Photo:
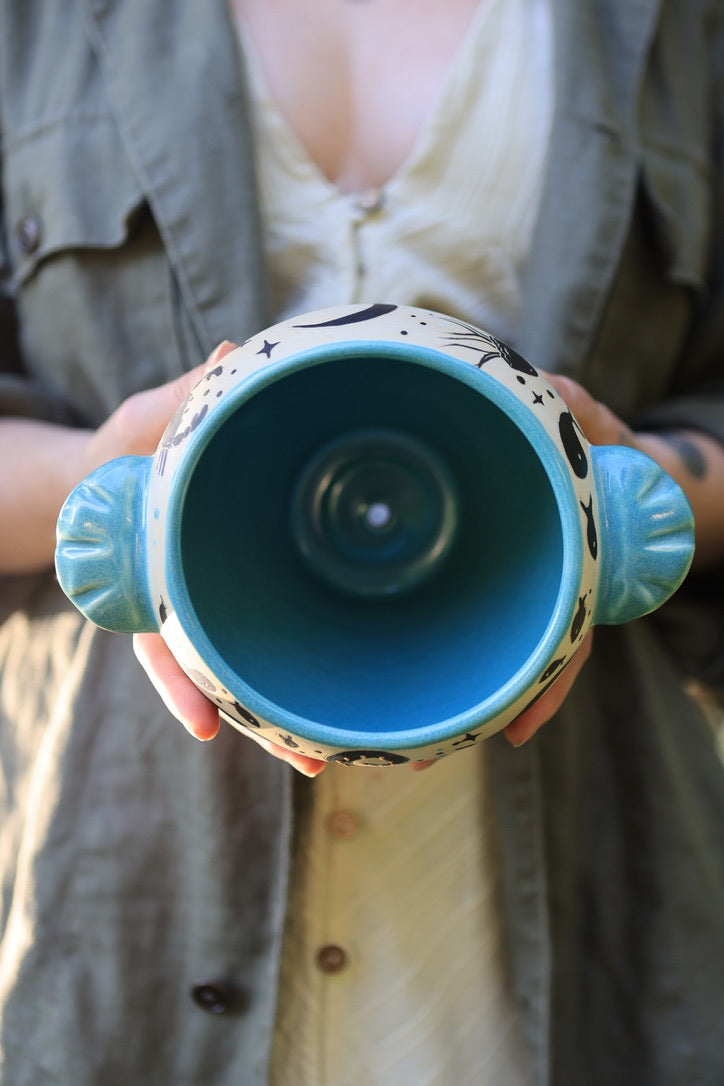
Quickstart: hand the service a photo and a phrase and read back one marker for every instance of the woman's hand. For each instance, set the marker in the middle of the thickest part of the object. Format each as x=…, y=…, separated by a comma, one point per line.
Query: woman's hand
x=185, y=701
x=525, y=726
x=694, y=460
x=146, y=418
x=48, y=460
x=601, y=427
x=137, y=427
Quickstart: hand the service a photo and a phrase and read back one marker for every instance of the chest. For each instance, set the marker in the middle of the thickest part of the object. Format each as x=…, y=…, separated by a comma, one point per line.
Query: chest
x=355, y=79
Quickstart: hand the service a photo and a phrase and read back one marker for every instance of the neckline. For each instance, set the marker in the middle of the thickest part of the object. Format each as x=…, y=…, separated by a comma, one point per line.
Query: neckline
x=370, y=195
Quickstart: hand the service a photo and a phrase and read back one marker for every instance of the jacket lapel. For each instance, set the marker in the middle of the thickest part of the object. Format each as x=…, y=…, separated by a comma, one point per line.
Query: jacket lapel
x=175, y=69
x=173, y=78
x=591, y=178
x=586, y=204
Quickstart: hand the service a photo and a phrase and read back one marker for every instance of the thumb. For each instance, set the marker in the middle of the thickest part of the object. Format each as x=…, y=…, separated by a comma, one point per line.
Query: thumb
x=137, y=425
x=175, y=392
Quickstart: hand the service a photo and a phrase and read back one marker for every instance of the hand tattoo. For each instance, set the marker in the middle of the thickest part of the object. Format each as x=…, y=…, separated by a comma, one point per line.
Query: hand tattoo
x=690, y=454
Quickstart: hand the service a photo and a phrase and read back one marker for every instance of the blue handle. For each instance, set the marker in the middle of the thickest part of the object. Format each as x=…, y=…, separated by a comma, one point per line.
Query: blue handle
x=100, y=557
x=647, y=530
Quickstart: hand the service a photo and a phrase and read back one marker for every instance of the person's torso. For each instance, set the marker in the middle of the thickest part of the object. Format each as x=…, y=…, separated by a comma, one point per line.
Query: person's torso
x=356, y=81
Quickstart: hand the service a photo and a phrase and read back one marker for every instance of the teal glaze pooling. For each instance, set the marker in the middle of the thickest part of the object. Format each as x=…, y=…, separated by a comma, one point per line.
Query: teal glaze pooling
x=101, y=556
x=648, y=533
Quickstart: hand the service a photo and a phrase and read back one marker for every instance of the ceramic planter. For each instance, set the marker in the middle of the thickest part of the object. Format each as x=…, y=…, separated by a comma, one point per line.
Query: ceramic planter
x=373, y=535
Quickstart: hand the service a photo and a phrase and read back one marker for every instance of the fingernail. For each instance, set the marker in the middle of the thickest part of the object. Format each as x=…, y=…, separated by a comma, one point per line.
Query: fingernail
x=517, y=736
x=308, y=767
x=224, y=347
x=312, y=773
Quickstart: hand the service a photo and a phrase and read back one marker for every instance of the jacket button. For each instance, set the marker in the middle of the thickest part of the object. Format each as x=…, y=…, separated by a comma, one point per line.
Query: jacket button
x=27, y=233
x=331, y=958
x=214, y=996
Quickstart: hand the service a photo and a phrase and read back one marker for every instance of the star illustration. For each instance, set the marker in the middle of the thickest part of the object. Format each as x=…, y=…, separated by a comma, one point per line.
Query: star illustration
x=268, y=348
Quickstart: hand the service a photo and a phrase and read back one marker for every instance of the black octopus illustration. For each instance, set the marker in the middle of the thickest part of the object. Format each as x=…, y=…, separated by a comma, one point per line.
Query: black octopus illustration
x=474, y=339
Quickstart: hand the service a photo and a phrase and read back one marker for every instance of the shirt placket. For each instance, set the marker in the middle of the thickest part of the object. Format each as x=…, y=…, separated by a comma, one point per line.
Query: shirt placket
x=365, y=208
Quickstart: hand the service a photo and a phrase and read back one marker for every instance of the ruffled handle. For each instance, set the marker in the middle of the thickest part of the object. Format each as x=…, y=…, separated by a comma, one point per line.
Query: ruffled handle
x=100, y=556
x=647, y=534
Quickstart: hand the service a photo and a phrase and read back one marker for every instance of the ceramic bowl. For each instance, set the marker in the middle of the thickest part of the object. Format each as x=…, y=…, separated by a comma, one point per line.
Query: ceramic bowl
x=373, y=535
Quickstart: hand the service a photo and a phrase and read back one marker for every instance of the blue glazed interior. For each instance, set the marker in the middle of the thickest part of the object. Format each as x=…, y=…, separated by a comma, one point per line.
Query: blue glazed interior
x=308, y=657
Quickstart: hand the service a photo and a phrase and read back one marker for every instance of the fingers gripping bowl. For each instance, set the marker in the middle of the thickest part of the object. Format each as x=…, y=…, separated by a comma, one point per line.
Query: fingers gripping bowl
x=373, y=535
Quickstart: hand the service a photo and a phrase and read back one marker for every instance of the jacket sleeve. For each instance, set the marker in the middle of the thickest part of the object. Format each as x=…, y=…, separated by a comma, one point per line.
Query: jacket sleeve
x=697, y=401
x=692, y=622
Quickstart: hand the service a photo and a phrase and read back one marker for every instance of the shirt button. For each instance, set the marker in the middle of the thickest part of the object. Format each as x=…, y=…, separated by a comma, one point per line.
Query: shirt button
x=28, y=232
x=331, y=958
x=342, y=824
x=370, y=200
x=214, y=996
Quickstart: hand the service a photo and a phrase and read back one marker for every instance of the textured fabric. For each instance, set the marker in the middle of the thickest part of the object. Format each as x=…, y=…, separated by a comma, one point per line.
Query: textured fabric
x=401, y=871
x=126, y=878
x=135, y=862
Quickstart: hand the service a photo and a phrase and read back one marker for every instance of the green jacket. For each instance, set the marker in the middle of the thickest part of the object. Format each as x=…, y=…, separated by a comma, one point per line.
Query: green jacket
x=134, y=863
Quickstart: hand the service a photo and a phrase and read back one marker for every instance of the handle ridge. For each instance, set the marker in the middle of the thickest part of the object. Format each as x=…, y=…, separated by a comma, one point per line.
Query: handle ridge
x=647, y=534
x=100, y=554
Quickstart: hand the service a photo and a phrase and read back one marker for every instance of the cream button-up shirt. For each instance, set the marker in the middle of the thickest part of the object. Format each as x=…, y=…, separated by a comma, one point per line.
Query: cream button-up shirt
x=393, y=969
x=475, y=173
